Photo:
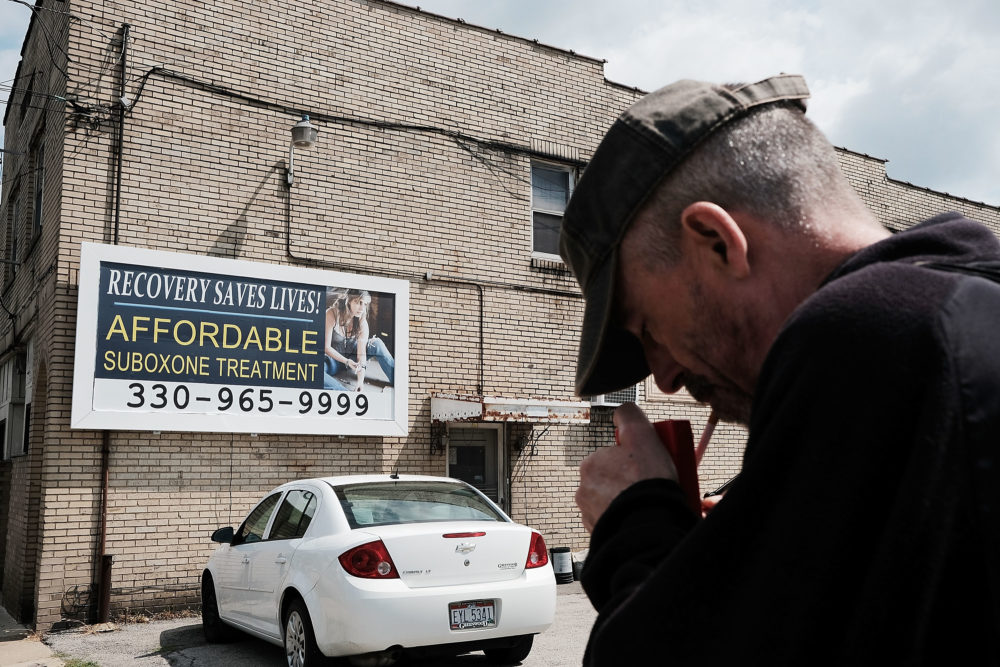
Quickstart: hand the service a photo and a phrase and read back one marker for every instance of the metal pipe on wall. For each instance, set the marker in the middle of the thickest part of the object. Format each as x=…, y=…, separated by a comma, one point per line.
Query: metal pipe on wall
x=103, y=561
x=120, y=147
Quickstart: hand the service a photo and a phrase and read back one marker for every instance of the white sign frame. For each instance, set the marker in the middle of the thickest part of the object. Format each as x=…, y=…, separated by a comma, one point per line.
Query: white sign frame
x=91, y=407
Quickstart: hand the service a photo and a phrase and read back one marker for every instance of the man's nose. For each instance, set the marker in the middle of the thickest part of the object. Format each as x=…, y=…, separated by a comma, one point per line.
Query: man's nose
x=667, y=373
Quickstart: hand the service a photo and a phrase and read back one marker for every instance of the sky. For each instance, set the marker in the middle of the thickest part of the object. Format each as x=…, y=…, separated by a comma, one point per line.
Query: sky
x=13, y=24
x=913, y=82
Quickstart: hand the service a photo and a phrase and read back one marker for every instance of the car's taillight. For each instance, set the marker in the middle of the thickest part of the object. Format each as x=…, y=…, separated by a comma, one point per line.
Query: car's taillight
x=370, y=561
x=537, y=553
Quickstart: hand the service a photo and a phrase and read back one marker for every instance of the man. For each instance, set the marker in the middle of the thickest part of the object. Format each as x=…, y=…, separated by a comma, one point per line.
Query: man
x=719, y=247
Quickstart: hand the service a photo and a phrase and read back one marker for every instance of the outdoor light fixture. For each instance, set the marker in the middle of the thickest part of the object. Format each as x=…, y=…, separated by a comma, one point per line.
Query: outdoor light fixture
x=303, y=136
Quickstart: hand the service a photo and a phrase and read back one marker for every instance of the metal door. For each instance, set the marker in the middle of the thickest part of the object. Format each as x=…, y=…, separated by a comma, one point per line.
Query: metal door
x=474, y=456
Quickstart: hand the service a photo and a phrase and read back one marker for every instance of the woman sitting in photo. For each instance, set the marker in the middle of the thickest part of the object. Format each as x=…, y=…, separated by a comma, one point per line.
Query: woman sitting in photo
x=346, y=324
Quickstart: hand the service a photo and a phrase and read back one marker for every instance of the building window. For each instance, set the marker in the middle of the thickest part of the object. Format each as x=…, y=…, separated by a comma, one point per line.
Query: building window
x=13, y=235
x=26, y=437
x=26, y=369
x=551, y=186
x=28, y=94
x=616, y=398
x=14, y=430
x=38, y=178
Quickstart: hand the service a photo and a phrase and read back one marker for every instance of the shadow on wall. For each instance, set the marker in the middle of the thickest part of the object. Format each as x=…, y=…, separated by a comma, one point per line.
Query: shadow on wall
x=130, y=603
x=75, y=605
x=423, y=451
x=230, y=242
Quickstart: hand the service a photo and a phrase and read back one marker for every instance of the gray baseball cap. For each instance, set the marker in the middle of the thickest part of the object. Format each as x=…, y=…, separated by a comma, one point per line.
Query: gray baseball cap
x=644, y=144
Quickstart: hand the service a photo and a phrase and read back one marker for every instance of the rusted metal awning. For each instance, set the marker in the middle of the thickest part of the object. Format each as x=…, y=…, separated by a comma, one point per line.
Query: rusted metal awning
x=457, y=407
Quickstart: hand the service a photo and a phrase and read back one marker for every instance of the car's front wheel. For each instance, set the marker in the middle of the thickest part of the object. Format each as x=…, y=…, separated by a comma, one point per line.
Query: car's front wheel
x=516, y=652
x=300, y=643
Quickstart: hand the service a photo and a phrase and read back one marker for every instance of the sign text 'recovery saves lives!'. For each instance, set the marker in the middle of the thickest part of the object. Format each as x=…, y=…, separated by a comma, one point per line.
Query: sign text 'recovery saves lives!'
x=183, y=326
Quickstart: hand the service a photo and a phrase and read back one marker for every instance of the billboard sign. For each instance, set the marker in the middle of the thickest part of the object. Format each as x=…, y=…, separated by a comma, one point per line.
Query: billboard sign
x=174, y=342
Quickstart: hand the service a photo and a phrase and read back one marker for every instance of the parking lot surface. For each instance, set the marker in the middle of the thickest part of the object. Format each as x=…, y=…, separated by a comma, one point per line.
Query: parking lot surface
x=180, y=643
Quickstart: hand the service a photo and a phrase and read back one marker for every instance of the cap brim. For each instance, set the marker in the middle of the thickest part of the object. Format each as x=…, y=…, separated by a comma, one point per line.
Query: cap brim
x=610, y=358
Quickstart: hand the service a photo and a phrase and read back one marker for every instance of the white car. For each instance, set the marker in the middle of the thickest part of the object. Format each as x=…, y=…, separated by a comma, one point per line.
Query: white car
x=372, y=566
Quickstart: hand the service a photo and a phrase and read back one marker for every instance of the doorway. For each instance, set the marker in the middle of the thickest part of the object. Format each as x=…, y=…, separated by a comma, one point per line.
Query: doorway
x=475, y=456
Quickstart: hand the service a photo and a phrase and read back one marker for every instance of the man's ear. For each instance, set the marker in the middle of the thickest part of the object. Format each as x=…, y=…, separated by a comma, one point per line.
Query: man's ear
x=710, y=229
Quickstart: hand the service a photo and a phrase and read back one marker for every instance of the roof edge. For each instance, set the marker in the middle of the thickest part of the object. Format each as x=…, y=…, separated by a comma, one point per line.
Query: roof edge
x=20, y=62
x=459, y=21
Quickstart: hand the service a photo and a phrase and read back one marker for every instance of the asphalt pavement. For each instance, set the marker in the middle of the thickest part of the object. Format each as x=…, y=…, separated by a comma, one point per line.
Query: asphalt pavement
x=180, y=643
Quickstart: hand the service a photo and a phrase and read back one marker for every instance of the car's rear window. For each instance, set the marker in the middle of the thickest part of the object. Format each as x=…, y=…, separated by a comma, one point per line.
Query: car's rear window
x=386, y=503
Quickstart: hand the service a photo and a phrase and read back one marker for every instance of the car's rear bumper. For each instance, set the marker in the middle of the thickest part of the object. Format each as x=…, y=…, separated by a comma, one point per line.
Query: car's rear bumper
x=352, y=616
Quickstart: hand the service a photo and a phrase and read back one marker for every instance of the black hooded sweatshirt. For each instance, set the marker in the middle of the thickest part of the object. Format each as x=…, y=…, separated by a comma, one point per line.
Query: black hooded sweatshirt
x=864, y=527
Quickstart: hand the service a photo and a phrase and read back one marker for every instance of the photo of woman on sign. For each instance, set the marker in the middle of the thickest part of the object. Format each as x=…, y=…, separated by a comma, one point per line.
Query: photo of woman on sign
x=349, y=346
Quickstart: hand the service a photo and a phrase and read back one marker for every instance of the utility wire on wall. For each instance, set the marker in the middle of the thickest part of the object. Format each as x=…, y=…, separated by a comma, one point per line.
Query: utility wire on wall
x=124, y=108
x=460, y=138
x=342, y=120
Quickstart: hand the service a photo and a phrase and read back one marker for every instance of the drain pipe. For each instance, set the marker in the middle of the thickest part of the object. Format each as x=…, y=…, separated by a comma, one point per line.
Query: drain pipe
x=104, y=560
x=120, y=148
x=104, y=579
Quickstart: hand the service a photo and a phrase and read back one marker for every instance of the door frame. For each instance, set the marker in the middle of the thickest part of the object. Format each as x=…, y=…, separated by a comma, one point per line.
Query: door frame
x=502, y=456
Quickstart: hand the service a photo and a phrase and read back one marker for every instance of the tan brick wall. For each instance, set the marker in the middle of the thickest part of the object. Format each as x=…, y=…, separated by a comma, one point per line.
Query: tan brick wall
x=28, y=293
x=898, y=204
x=203, y=173
x=427, y=128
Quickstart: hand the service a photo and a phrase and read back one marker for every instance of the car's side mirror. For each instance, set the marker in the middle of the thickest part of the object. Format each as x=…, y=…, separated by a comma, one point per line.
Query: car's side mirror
x=223, y=535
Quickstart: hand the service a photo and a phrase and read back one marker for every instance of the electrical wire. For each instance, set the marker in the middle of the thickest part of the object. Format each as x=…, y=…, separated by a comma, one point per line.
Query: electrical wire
x=34, y=93
x=49, y=40
x=494, y=170
x=108, y=63
x=71, y=15
x=83, y=145
x=489, y=144
x=15, y=78
x=37, y=8
x=492, y=144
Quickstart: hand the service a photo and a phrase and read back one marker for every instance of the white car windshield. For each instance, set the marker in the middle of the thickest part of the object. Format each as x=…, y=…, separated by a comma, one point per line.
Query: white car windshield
x=386, y=503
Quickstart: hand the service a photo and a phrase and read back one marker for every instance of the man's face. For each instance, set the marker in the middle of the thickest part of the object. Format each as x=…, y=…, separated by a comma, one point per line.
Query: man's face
x=691, y=337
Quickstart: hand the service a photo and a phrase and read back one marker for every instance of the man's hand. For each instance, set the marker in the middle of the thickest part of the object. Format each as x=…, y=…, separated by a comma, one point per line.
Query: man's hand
x=609, y=471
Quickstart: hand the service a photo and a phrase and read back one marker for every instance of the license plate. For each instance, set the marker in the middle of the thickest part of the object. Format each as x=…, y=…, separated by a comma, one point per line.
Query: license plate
x=472, y=614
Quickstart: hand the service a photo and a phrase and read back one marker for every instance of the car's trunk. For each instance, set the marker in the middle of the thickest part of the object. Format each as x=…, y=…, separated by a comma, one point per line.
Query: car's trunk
x=438, y=554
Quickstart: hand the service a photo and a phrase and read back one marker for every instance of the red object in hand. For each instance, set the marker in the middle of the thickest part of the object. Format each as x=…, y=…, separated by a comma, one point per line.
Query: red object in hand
x=676, y=436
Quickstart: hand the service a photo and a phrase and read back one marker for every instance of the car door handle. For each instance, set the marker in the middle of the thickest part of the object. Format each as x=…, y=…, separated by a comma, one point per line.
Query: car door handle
x=280, y=560
x=246, y=560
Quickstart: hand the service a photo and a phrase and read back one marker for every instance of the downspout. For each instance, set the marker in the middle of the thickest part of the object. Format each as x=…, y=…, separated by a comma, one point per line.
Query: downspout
x=120, y=148
x=105, y=560
x=104, y=576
